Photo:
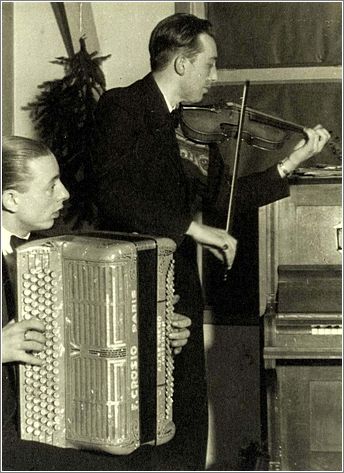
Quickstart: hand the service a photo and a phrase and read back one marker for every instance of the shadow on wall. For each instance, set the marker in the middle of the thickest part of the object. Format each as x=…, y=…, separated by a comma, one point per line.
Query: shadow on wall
x=233, y=371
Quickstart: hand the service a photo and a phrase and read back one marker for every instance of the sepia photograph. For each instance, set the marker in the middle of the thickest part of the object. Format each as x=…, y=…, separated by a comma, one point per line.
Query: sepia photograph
x=171, y=236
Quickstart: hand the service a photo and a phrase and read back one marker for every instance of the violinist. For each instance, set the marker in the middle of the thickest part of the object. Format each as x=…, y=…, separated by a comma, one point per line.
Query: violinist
x=142, y=187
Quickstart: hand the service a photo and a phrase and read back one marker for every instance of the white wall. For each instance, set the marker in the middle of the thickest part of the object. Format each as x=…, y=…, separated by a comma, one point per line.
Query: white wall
x=123, y=30
x=7, y=68
x=37, y=41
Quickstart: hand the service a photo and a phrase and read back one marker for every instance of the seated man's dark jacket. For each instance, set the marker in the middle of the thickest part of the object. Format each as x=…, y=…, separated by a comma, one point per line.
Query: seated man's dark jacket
x=9, y=404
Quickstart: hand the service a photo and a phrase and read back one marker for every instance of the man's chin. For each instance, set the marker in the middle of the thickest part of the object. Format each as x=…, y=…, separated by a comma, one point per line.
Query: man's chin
x=193, y=101
x=45, y=225
x=202, y=94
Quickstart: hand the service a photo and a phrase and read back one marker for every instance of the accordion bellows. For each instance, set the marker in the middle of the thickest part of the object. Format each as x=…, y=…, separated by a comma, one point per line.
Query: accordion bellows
x=106, y=381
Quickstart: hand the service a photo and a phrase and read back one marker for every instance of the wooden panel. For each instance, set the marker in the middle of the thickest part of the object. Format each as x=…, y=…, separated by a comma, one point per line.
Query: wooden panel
x=307, y=223
x=325, y=418
x=309, y=288
x=304, y=411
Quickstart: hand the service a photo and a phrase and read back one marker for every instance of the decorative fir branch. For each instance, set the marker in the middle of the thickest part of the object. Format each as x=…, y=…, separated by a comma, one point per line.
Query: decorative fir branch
x=63, y=115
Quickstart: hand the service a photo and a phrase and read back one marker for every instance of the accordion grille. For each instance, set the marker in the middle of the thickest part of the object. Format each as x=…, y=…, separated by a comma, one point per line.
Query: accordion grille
x=98, y=312
x=96, y=298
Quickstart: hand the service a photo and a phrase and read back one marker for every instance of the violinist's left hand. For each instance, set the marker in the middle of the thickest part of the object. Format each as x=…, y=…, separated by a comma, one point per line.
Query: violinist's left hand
x=317, y=139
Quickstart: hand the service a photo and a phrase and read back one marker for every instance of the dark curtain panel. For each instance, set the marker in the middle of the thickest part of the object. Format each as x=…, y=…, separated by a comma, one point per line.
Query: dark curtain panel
x=277, y=34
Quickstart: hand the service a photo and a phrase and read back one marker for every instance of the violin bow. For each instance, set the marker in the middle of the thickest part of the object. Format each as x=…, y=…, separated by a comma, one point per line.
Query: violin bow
x=236, y=163
x=236, y=159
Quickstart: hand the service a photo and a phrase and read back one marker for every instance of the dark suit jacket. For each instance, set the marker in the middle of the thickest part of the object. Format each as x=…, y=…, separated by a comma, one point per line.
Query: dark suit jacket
x=140, y=179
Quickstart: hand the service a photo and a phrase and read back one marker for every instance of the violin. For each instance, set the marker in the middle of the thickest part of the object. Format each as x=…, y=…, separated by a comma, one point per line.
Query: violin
x=218, y=123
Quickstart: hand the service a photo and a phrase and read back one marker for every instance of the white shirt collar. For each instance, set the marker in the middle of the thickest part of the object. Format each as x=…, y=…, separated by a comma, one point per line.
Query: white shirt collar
x=6, y=240
x=169, y=106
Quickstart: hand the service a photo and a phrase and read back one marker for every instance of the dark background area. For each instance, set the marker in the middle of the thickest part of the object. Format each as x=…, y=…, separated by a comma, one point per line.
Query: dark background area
x=276, y=34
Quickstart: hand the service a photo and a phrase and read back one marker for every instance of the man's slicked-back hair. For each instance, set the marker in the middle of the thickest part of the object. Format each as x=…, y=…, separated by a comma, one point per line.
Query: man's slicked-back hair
x=176, y=32
x=17, y=152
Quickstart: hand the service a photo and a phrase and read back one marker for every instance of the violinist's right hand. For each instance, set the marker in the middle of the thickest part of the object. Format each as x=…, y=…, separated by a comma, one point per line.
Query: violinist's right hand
x=19, y=339
x=216, y=240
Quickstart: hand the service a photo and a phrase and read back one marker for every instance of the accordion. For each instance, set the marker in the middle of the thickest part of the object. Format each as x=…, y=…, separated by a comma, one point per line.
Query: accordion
x=106, y=381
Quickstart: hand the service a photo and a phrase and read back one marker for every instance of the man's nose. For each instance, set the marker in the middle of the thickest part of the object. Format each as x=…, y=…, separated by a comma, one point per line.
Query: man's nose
x=213, y=75
x=64, y=194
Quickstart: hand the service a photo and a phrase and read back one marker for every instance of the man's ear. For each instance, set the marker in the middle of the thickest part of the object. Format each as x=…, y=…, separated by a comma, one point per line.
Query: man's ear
x=10, y=199
x=179, y=64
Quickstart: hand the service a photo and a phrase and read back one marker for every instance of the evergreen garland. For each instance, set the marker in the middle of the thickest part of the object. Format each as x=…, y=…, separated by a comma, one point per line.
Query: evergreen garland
x=63, y=115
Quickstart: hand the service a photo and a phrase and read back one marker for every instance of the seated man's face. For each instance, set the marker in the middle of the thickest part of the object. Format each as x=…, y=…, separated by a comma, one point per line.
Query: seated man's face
x=43, y=198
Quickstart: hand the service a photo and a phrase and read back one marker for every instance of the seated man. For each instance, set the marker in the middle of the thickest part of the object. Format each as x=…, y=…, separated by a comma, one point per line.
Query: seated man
x=32, y=197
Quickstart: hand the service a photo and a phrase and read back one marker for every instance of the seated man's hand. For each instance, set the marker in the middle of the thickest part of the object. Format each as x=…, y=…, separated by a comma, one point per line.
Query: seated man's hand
x=180, y=333
x=20, y=339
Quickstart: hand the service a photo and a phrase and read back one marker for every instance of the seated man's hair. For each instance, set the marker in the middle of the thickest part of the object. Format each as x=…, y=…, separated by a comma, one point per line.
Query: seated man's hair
x=17, y=151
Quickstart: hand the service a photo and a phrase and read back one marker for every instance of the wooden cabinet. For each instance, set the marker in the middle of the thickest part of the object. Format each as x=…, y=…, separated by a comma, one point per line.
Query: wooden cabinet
x=303, y=340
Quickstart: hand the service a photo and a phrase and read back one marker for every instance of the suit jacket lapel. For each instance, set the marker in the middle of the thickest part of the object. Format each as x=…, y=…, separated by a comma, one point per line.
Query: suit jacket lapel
x=159, y=121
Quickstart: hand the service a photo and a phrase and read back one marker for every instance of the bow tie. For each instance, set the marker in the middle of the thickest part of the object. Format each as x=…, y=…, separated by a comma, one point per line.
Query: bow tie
x=16, y=241
x=175, y=117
